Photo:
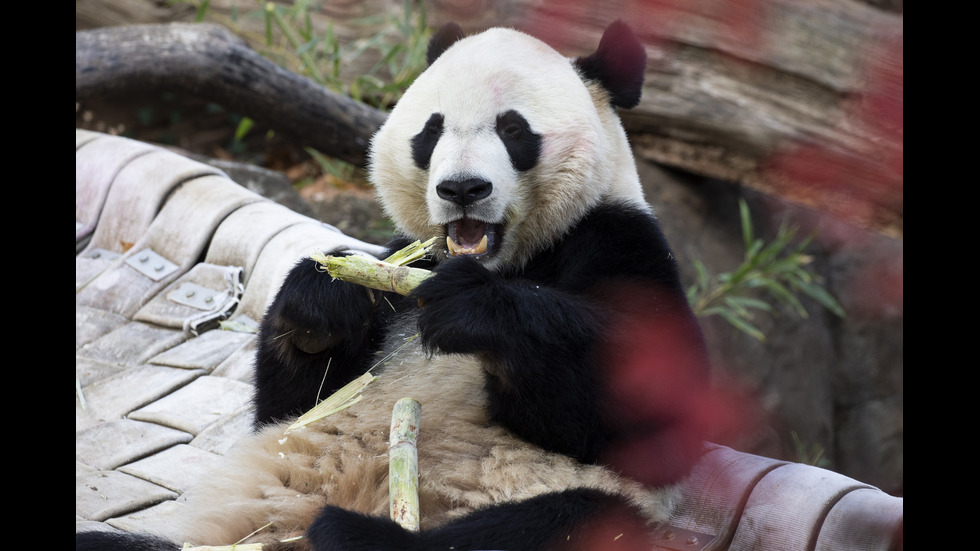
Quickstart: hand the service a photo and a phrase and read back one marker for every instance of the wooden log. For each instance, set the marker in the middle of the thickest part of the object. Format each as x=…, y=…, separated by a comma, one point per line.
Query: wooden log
x=209, y=61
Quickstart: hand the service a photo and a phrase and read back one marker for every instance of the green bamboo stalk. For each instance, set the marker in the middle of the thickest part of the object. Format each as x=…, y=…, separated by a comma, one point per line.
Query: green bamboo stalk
x=390, y=274
x=376, y=274
x=403, y=470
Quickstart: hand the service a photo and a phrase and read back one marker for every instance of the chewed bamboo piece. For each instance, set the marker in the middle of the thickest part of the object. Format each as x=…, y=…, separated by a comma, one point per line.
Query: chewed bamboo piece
x=347, y=396
x=403, y=467
x=390, y=274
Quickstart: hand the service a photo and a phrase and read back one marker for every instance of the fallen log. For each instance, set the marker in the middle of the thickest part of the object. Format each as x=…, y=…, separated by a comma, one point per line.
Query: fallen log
x=211, y=62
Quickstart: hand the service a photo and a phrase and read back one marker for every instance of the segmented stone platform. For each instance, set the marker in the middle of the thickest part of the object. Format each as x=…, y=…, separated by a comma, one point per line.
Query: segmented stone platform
x=168, y=248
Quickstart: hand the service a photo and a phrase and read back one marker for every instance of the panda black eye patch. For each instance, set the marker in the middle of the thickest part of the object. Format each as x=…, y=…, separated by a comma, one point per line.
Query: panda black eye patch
x=522, y=144
x=425, y=141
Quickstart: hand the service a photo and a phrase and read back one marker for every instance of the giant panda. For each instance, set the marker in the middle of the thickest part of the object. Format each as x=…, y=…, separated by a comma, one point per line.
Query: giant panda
x=552, y=271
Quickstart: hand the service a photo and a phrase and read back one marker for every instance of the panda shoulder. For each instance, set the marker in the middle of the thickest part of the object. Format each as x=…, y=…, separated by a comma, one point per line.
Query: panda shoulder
x=619, y=221
x=616, y=239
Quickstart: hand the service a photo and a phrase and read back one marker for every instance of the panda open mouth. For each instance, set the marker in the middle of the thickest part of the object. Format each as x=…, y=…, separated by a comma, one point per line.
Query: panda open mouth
x=471, y=237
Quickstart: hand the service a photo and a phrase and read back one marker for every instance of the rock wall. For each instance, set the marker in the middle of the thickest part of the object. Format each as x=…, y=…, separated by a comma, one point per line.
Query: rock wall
x=837, y=383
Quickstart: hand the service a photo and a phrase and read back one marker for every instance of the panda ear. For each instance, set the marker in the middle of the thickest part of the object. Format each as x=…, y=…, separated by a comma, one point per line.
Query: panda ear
x=618, y=64
x=448, y=35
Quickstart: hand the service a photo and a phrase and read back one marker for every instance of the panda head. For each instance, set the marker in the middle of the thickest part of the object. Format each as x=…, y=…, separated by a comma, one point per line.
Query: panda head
x=502, y=144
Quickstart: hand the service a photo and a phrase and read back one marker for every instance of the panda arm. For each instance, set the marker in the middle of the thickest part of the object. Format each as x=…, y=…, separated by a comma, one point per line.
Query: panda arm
x=542, y=334
x=317, y=335
x=536, y=345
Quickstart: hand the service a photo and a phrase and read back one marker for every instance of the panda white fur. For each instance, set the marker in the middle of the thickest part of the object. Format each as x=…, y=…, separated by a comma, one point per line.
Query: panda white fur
x=516, y=154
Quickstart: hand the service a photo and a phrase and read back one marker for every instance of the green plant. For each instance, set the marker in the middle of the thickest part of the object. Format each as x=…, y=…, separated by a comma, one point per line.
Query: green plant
x=291, y=40
x=808, y=455
x=328, y=165
x=395, y=42
x=779, y=268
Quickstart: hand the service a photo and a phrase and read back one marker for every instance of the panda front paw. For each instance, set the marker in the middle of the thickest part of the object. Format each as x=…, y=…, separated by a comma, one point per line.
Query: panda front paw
x=456, y=303
x=316, y=336
x=313, y=312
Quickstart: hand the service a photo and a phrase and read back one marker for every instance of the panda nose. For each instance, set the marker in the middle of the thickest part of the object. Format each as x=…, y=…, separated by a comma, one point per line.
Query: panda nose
x=464, y=192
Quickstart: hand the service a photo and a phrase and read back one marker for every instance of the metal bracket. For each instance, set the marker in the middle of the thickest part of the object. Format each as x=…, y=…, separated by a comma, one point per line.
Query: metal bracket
x=679, y=539
x=151, y=264
x=102, y=254
x=197, y=296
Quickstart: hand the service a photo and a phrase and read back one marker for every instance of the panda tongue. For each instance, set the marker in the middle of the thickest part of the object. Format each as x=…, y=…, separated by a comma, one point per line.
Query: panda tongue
x=469, y=231
x=470, y=237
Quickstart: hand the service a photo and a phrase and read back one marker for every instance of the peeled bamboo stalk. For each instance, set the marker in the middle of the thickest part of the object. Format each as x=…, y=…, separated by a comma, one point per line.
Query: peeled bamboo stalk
x=403, y=470
x=390, y=274
x=376, y=274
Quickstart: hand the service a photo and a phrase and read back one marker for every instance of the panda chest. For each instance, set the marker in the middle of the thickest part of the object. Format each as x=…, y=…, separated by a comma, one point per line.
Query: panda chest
x=452, y=383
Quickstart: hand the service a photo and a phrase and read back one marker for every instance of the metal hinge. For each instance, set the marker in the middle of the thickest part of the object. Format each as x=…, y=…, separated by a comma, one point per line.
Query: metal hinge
x=197, y=296
x=151, y=264
x=103, y=254
x=679, y=539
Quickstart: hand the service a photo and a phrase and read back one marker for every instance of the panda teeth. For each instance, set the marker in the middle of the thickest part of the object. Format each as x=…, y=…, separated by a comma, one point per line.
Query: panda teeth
x=457, y=249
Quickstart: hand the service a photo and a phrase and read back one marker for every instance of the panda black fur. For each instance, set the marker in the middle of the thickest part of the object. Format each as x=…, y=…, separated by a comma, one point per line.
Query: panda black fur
x=501, y=138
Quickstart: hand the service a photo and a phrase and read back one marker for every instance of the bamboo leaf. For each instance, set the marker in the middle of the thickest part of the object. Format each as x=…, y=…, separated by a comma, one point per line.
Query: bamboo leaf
x=691, y=295
x=712, y=311
x=702, y=274
x=308, y=46
x=243, y=128
x=783, y=266
x=818, y=293
x=753, y=249
x=743, y=212
x=743, y=325
x=308, y=30
x=783, y=294
x=771, y=251
x=202, y=11
x=736, y=307
x=749, y=302
x=755, y=281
